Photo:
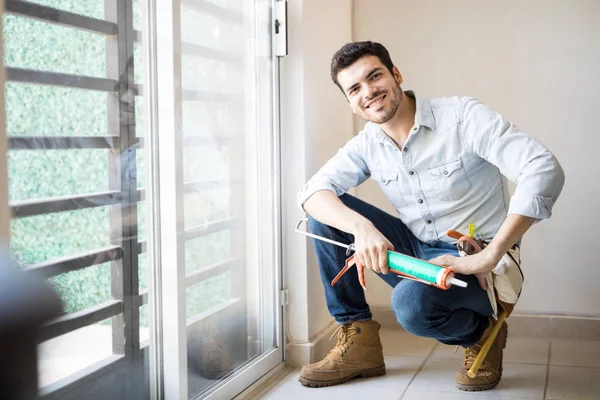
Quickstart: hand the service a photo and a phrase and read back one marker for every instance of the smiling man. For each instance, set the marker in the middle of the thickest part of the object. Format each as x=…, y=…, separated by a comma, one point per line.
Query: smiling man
x=441, y=163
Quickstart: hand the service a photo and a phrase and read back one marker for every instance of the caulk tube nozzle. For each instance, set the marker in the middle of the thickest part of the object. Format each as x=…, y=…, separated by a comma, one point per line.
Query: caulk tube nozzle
x=453, y=281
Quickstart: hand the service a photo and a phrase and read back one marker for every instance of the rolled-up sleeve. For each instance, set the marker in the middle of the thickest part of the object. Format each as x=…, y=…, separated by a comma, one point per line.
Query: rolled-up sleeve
x=519, y=157
x=343, y=171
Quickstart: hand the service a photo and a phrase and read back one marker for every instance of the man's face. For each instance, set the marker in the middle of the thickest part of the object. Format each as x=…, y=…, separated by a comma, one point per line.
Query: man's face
x=372, y=91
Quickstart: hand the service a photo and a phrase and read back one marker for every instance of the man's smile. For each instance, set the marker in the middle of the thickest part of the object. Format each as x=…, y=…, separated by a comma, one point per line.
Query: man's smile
x=376, y=102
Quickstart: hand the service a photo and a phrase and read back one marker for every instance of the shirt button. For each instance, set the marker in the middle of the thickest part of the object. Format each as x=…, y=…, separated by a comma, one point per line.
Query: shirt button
x=420, y=201
x=429, y=221
x=406, y=149
x=445, y=172
x=384, y=180
x=411, y=173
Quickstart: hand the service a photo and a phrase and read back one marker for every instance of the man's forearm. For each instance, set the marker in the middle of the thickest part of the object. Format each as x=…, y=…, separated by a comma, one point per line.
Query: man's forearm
x=513, y=229
x=326, y=207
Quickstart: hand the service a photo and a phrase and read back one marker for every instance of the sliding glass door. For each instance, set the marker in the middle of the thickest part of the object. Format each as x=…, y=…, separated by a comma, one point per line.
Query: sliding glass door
x=143, y=183
x=214, y=191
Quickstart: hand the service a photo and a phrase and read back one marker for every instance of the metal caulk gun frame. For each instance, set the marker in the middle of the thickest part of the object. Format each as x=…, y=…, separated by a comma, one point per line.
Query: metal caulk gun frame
x=360, y=268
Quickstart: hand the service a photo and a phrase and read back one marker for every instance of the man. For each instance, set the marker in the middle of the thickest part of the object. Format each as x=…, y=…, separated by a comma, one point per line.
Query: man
x=441, y=163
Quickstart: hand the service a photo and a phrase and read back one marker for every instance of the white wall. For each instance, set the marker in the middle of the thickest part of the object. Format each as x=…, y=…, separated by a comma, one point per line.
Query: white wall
x=315, y=122
x=537, y=63
x=4, y=211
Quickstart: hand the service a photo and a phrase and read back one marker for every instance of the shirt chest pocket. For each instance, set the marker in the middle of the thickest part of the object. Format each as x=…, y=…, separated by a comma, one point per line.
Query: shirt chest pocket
x=450, y=180
x=390, y=184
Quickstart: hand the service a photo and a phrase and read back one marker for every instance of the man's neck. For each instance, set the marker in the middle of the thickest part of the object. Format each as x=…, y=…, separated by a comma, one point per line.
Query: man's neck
x=398, y=128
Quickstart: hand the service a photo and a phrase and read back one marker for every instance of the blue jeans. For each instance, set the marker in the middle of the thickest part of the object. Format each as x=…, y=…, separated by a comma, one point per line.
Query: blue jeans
x=457, y=316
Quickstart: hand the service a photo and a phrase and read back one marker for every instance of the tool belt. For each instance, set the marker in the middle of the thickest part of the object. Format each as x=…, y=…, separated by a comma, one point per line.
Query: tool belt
x=505, y=281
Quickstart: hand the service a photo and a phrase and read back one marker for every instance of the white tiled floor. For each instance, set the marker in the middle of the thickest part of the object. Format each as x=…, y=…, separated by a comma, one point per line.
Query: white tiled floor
x=421, y=369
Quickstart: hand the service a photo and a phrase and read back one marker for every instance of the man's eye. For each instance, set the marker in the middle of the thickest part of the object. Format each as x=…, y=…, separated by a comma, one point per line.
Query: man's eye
x=375, y=76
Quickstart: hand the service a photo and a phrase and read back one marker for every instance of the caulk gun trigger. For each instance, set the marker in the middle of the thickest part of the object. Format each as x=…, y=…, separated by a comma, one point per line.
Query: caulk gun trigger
x=350, y=249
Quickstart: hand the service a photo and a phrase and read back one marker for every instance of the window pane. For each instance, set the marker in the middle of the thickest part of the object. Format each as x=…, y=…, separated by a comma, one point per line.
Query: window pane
x=207, y=250
x=206, y=206
x=138, y=15
x=53, y=48
x=89, y=8
x=43, y=237
x=209, y=293
x=35, y=174
x=83, y=288
x=213, y=76
x=67, y=354
x=34, y=110
x=211, y=31
x=207, y=162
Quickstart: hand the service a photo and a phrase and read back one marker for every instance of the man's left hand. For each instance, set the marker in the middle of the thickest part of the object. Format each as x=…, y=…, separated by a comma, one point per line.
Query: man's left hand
x=477, y=264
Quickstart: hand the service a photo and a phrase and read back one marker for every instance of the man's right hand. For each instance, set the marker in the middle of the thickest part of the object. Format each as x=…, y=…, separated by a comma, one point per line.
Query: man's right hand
x=372, y=247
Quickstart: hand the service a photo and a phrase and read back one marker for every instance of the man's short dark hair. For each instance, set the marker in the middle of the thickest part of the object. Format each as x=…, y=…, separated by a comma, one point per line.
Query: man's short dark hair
x=351, y=52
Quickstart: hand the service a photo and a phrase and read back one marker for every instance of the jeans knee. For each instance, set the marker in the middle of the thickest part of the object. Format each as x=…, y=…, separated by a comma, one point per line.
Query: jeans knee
x=411, y=307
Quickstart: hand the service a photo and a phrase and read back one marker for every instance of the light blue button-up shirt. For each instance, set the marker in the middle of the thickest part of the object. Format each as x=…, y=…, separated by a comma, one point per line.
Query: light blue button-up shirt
x=450, y=171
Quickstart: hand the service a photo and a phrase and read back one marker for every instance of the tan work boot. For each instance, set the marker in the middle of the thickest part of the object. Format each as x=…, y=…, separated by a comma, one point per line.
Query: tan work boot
x=490, y=372
x=358, y=352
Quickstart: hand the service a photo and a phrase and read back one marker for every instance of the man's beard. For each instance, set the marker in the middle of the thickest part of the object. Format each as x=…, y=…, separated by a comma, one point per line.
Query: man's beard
x=393, y=107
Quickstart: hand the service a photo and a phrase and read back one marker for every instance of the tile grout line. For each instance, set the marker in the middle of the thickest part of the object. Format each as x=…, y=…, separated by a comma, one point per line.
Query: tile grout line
x=548, y=369
x=419, y=370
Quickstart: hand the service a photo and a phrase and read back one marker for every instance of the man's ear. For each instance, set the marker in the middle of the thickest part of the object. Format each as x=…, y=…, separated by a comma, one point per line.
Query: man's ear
x=397, y=76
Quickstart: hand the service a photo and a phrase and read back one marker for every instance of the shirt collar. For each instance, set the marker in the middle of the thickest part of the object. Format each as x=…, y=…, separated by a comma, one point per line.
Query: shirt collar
x=423, y=116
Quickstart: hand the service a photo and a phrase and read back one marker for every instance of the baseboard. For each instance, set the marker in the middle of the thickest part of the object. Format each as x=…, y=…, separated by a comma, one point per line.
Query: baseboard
x=303, y=353
x=527, y=325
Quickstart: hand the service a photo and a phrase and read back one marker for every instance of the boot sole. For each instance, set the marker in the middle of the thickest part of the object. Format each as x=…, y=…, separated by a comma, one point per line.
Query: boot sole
x=367, y=373
x=489, y=386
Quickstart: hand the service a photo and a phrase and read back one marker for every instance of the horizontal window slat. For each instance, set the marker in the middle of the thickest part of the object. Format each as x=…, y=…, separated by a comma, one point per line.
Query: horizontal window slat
x=89, y=316
x=21, y=209
x=62, y=142
x=208, y=185
x=57, y=79
x=210, y=53
x=143, y=298
x=65, y=18
x=233, y=305
x=198, y=141
x=62, y=265
x=141, y=246
x=210, y=272
x=199, y=95
x=211, y=227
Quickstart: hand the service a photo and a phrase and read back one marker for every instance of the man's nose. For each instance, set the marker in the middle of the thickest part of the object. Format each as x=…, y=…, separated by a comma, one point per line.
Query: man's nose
x=370, y=92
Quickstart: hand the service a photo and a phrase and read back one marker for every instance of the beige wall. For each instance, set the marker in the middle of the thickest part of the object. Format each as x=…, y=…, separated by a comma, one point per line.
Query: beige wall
x=315, y=122
x=4, y=211
x=537, y=63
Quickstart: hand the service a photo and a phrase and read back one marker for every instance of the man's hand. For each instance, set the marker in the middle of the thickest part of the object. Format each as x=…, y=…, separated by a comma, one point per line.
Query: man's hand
x=477, y=264
x=372, y=248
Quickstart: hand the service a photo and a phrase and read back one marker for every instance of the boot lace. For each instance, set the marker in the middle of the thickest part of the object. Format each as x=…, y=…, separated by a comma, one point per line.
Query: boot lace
x=344, y=339
x=470, y=353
